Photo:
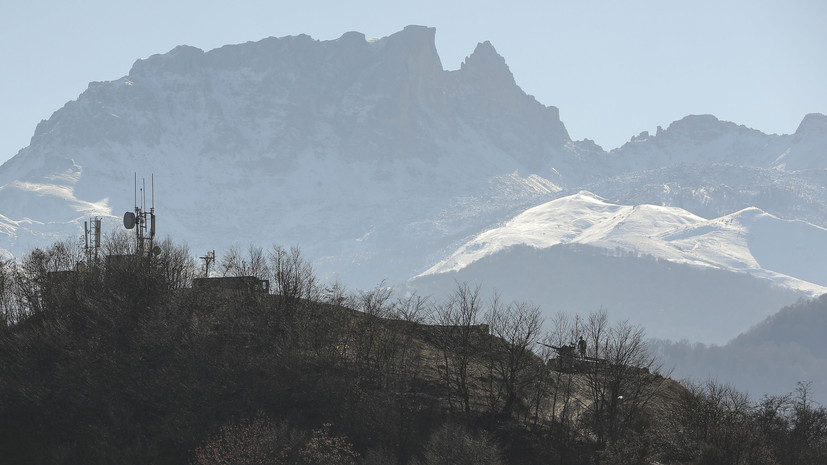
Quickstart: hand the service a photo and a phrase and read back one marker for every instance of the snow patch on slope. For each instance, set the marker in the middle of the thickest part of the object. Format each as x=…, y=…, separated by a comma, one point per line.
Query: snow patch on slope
x=733, y=242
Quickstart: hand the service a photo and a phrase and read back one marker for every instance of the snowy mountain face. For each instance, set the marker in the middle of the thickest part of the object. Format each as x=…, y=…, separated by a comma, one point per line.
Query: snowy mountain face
x=743, y=241
x=581, y=252
x=380, y=164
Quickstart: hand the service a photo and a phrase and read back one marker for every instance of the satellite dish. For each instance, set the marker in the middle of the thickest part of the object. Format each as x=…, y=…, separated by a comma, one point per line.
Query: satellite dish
x=156, y=250
x=128, y=220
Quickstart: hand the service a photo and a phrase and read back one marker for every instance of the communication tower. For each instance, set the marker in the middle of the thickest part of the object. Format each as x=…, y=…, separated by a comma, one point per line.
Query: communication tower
x=209, y=258
x=143, y=221
x=92, y=235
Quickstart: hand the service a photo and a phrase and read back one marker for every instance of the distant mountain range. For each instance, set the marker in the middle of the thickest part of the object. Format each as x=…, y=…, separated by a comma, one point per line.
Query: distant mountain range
x=383, y=166
x=772, y=357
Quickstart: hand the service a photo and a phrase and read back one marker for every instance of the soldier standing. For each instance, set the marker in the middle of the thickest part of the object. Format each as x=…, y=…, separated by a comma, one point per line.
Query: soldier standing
x=581, y=344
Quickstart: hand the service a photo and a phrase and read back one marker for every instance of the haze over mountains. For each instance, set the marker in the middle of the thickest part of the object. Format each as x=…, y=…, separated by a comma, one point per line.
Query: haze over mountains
x=382, y=165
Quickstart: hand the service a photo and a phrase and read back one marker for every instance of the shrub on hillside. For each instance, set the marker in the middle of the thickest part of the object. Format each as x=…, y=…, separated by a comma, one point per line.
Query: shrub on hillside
x=456, y=444
x=257, y=441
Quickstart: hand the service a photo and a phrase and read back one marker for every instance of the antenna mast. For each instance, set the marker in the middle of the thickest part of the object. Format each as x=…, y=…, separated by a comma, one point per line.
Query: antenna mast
x=92, y=235
x=142, y=221
x=208, y=259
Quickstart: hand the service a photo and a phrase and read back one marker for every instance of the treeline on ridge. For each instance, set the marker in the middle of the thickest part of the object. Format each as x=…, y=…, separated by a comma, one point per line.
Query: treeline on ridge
x=122, y=360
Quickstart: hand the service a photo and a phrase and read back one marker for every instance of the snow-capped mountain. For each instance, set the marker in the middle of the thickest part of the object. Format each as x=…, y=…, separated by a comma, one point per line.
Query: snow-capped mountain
x=743, y=241
x=380, y=164
x=746, y=242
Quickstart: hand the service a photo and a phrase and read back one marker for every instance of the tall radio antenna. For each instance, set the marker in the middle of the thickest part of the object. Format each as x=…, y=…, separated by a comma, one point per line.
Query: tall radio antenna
x=209, y=258
x=143, y=221
x=92, y=236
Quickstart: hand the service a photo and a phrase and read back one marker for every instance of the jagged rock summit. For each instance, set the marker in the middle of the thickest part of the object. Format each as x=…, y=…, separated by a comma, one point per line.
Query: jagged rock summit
x=489, y=66
x=373, y=99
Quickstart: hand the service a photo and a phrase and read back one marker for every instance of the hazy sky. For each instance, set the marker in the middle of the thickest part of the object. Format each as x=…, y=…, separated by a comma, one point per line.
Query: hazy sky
x=613, y=68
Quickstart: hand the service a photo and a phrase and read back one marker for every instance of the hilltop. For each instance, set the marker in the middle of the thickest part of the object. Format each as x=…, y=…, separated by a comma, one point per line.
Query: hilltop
x=133, y=360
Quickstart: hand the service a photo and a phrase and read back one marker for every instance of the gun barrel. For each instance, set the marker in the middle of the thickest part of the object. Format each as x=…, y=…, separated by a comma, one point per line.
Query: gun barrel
x=547, y=345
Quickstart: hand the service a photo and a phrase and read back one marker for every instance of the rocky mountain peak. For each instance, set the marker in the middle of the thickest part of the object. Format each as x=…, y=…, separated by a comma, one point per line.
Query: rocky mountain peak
x=813, y=123
x=705, y=127
x=485, y=63
x=352, y=37
x=179, y=60
x=416, y=46
x=696, y=124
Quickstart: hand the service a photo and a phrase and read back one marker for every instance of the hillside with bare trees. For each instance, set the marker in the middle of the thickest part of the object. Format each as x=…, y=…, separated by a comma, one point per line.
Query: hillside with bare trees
x=141, y=359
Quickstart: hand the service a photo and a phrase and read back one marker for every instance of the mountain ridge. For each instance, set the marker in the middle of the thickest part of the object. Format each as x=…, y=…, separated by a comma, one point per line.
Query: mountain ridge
x=262, y=128
x=369, y=155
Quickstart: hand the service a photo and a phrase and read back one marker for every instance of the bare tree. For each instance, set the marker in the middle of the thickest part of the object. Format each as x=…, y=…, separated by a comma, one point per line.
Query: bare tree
x=371, y=348
x=336, y=294
x=235, y=262
x=456, y=323
x=293, y=277
x=231, y=262
x=381, y=347
x=9, y=311
x=516, y=326
x=719, y=424
x=561, y=384
x=561, y=331
x=716, y=420
x=257, y=262
x=175, y=264
x=413, y=308
x=621, y=386
x=808, y=427
x=596, y=327
x=542, y=383
x=118, y=242
x=36, y=277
